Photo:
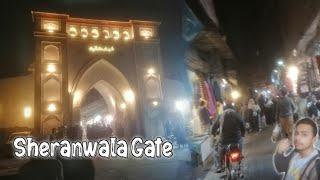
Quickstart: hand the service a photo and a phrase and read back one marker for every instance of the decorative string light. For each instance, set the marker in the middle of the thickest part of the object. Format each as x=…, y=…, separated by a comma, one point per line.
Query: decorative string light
x=73, y=32
x=101, y=49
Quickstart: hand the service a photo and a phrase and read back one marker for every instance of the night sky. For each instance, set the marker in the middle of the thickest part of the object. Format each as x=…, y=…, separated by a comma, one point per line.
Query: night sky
x=253, y=33
x=251, y=28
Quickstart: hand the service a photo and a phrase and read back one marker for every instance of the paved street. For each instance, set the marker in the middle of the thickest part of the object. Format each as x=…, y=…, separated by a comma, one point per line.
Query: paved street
x=176, y=168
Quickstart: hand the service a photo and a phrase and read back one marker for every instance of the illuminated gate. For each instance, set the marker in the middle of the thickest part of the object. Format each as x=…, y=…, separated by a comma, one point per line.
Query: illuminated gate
x=74, y=55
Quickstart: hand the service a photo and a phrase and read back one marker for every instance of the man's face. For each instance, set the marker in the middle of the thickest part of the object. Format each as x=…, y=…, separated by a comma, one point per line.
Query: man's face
x=303, y=137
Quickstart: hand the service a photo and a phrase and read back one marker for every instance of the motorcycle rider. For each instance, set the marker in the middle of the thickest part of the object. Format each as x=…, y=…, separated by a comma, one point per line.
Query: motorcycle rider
x=231, y=130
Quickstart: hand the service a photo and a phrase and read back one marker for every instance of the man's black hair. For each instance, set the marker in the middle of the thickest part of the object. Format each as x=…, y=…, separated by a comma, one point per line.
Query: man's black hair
x=310, y=122
x=283, y=91
x=202, y=103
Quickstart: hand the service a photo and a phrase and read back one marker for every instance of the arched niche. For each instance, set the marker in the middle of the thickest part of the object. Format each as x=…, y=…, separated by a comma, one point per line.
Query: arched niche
x=153, y=88
x=51, y=53
x=51, y=90
x=50, y=123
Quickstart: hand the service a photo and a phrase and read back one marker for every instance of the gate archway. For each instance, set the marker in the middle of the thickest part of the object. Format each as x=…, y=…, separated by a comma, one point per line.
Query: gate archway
x=111, y=84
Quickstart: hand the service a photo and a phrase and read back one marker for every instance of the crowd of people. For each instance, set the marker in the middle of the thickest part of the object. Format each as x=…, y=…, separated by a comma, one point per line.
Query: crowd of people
x=282, y=109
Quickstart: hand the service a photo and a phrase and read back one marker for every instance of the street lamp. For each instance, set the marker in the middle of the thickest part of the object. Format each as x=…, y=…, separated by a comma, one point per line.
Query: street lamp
x=235, y=95
x=280, y=63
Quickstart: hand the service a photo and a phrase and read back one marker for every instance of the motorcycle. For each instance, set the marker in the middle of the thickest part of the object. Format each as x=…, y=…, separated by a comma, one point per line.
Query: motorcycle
x=232, y=162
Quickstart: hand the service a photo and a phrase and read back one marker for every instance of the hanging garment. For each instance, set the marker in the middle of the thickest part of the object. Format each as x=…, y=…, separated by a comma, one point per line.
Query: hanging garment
x=211, y=106
x=213, y=99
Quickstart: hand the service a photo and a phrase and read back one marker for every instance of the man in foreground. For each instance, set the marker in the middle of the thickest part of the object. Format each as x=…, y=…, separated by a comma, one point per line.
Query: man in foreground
x=232, y=130
x=301, y=161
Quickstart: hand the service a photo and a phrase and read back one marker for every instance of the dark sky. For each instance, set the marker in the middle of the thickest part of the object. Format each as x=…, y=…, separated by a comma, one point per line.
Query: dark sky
x=251, y=27
x=253, y=32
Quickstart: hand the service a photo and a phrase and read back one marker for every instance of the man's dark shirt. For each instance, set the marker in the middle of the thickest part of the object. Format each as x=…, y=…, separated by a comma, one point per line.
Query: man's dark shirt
x=233, y=128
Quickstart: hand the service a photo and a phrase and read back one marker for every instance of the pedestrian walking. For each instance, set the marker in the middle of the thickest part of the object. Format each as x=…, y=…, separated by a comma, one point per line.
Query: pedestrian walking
x=254, y=115
x=285, y=110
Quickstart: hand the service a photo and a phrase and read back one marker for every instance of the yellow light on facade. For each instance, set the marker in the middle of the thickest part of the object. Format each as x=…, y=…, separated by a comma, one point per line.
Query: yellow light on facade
x=146, y=32
x=84, y=33
x=27, y=112
x=106, y=33
x=128, y=96
x=101, y=49
x=51, y=68
x=113, y=102
x=95, y=33
x=50, y=30
x=235, y=95
x=123, y=106
x=151, y=71
x=126, y=35
x=116, y=34
x=73, y=32
x=76, y=98
x=52, y=107
x=50, y=26
x=155, y=103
